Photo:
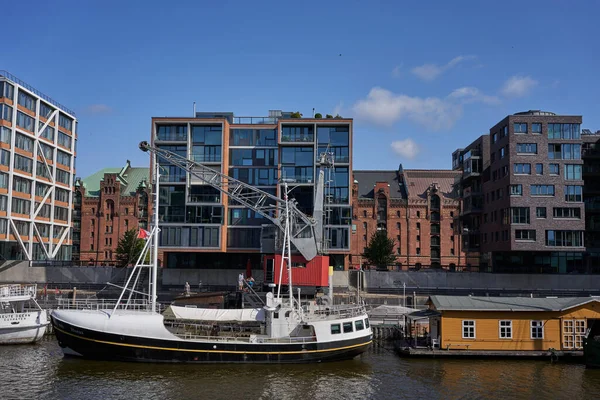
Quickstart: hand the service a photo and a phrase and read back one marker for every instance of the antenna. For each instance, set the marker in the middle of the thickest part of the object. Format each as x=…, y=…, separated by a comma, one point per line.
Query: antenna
x=194, y=116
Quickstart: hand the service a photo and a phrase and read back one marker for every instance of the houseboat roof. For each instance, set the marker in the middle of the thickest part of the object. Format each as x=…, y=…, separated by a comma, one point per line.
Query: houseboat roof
x=475, y=303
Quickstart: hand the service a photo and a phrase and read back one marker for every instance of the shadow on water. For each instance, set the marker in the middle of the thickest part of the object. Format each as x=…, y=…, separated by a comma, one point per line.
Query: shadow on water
x=41, y=372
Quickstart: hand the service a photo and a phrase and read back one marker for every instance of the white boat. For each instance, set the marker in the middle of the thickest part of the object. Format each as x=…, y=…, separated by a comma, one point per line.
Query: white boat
x=284, y=330
x=22, y=320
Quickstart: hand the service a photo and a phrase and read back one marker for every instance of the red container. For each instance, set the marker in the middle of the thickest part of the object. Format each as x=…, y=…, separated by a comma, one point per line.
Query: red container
x=304, y=273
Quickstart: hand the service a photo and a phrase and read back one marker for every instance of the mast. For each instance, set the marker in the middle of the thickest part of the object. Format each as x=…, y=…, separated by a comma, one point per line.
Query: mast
x=288, y=246
x=155, y=238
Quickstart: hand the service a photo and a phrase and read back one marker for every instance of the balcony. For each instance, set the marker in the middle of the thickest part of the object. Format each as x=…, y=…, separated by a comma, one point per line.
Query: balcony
x=297, y=138
x=255, y=120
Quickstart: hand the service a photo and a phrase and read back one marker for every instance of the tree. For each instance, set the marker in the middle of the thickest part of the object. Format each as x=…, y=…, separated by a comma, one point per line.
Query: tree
x=338, y=116
x=318, y=115
x=380, y=251
x=129, y=248
x=296, y=114
x=329, y=116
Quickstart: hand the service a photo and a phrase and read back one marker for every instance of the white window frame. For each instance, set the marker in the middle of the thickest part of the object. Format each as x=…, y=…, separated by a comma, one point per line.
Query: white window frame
x=500, y=326
x=474, y=326
x=539, y=324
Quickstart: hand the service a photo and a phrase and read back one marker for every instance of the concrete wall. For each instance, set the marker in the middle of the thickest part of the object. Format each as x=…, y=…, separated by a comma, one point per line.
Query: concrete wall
x=475, y=280
x=21, y=272
x=209, y=277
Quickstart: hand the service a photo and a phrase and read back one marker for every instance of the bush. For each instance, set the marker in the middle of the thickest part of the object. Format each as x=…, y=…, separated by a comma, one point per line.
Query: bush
x=329, y=116
x=296, y=114
x=318, y=115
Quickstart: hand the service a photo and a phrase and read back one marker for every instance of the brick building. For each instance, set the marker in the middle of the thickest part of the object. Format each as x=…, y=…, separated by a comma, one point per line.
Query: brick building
x=417, y=208
x=531, y=193
x=107, y=204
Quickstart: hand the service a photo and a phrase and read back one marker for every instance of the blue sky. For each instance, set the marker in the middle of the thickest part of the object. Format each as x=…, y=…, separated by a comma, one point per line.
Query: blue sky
x=420, y=78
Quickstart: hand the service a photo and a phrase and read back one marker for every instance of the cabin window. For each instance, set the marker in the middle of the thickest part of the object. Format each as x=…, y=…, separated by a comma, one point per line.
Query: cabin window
x=348, y=327
x=287, y=314
x=359, y=325
x=505, y=329
x=537, y=330
x=468, y=329
x=335, y=329
x=276, y=315
x=367, y=323
x=573, y=333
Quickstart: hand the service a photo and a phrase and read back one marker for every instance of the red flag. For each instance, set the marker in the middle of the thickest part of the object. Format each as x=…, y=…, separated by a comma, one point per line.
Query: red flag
x=143, y=234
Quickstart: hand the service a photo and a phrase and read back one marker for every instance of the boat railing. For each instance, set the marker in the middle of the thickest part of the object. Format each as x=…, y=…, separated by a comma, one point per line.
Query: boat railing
x=325, y=312
x=247, y=339
x=103, y=304
x=17, y=291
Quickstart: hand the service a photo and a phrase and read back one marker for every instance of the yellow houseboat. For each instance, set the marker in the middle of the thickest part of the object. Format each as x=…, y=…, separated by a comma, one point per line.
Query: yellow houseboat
x=518, y=326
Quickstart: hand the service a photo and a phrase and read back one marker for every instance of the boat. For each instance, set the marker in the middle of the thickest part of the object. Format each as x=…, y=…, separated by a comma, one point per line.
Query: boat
x=284, y=329
x=22, y=320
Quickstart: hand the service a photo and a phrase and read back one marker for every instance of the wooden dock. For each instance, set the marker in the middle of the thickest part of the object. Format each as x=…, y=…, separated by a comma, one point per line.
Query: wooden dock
x=425, y=352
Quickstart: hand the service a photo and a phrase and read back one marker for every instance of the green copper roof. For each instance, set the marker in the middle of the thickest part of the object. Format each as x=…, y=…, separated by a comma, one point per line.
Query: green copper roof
x=130, y=177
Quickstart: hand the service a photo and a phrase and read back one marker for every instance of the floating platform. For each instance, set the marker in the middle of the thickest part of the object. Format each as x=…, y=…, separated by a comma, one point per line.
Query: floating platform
x=424, y=352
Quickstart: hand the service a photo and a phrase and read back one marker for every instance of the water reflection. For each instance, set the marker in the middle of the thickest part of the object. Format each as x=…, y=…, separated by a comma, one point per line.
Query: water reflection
x=41, y=372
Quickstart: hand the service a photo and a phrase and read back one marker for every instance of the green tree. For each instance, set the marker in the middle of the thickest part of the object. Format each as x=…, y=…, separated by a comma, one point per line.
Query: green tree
x=129, y=248
x=329, y=116
x=296, y=114
x=380, y=251
x=318, y=115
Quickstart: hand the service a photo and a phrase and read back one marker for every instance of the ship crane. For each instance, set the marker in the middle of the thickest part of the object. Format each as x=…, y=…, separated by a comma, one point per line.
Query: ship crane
x=305, y=232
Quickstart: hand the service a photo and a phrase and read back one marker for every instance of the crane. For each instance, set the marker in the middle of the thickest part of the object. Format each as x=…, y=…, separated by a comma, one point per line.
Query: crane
x=305, y=232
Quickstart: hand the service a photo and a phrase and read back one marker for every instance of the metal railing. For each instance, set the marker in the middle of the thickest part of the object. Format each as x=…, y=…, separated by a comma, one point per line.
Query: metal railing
x=17, y=290
x=338, y=311
x=16, y=80
x=103, y=304
x=171, y=137
x=297, y=138
x=255, y=120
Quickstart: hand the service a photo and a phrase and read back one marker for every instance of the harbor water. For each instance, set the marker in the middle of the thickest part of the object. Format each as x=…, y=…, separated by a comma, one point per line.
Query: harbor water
x=41, y=372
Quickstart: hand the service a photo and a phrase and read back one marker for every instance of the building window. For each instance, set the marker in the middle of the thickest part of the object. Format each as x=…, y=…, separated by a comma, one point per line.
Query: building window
x=452, y=249
x=573, y=193
x=539, y=169
x=418, y=214
x=572, y=172
x=522, y=169
x=565, y=212
x=525, y=235
x=540, y=212
x=536, y=128
x=505, y=329
x=398, y=214
x=516, y=190
x=418, y=251
x=526, y=148
x=468, y=329
x=564, y=131
x=494, y=138
x=23, y=163
x=364, y=225
x=564, y=238
x=542, y=190
x=564, y=151
x=365, y=213
x=520, y=127
x=6, y=112
x=452, y=213
x=502, y=153
x=25, y=121
x=537, y=329
x=554, y=169
x=519, y=215
x=418, y=226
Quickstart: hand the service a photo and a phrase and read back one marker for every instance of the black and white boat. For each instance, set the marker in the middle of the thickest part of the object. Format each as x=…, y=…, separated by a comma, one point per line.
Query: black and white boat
x=284, y=330
x=22, y=320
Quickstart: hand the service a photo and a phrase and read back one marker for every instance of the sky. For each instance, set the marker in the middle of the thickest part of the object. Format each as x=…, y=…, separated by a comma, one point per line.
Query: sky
x=420, y=78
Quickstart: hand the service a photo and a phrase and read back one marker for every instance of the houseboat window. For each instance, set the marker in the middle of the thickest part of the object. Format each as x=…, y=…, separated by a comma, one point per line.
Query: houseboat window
x=287, y=314
x=276, y=315
x=537, y=330
x=335, y=329
x=359, y=325
x=573, y=332
x=348, y=327
x=468, y=329
x=367, y=323
x=505, y=329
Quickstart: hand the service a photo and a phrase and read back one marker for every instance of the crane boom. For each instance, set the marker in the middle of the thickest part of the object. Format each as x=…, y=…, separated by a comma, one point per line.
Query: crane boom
x=302, y=227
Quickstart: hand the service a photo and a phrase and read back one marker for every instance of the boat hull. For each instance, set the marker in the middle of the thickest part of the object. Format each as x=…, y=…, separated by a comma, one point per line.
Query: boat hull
x=22, y=328
x=94, y=344
x=591, y=353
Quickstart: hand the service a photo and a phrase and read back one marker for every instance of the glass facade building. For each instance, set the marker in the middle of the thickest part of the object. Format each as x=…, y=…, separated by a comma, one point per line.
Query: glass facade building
x=260, y=151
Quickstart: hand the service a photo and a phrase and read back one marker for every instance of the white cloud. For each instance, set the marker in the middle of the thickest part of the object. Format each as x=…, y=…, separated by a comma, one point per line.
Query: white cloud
x=406, y=148
x=397, y=71
x=428, y=72
x=337, y=110
x=518, y=86
x=98, y=109
x=385, y=108
x=470, y=94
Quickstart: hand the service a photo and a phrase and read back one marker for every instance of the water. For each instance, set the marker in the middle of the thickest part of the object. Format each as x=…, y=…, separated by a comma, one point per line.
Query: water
x=40, y=372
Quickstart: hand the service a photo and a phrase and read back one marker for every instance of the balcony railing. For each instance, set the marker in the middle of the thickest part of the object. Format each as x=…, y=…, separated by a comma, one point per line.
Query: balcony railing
x=297, y=138
x=255, y=120
x=172, y=137
x=206, y=157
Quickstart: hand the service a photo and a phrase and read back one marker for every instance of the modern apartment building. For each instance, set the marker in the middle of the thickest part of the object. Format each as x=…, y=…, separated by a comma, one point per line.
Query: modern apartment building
x=417, y=209
x=202, y=228
x=533, y=212
x=38, y=139
x=590, y=153
x=107, y=204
